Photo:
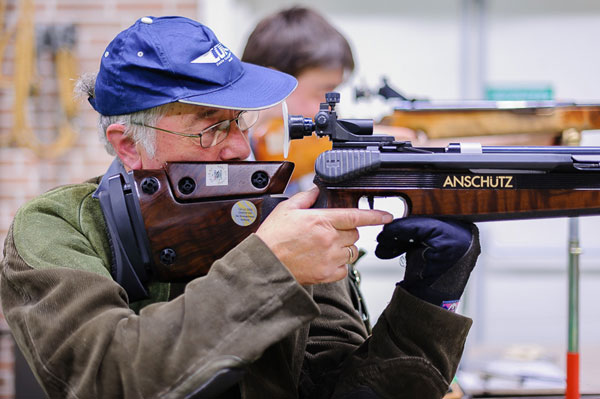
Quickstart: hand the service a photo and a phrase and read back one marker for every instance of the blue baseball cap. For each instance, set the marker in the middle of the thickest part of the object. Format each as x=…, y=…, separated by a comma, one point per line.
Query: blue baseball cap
x=175, y=59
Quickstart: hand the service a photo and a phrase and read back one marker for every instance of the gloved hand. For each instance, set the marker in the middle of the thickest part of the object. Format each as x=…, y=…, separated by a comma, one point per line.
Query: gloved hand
x=440, y=255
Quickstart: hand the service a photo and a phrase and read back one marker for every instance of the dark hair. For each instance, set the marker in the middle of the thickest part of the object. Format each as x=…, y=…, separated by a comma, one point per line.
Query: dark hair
x=296, y=39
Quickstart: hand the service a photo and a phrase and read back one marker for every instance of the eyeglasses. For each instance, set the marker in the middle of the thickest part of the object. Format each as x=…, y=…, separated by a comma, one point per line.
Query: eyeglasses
x=215, y=134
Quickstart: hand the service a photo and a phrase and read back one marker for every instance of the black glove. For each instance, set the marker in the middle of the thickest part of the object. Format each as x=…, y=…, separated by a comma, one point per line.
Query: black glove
x=440, y=255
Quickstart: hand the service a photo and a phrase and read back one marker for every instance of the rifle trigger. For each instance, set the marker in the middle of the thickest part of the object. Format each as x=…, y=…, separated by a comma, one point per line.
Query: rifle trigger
x=371, y=201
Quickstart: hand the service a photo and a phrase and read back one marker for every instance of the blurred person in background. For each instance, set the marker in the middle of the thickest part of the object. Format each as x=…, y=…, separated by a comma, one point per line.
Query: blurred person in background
x=301, y=42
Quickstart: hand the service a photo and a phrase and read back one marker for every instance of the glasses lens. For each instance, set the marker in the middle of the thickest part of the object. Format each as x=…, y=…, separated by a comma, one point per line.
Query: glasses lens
x=215, y=134
x=247, y=119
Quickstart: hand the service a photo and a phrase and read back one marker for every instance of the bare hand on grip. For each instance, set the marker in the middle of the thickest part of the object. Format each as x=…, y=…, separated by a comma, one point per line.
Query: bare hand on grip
x=316, y=244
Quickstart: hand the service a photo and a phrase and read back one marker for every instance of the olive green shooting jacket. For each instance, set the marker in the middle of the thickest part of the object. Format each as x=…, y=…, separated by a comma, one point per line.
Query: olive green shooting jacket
x=83, y=339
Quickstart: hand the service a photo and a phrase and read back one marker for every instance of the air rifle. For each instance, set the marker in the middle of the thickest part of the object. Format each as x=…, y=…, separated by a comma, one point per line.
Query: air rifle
x=171, y=224
x=529, y=121
x=461, y=181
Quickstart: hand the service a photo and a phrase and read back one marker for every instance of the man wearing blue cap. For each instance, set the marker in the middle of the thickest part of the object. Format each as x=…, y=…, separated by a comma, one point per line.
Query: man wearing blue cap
x=274, y=318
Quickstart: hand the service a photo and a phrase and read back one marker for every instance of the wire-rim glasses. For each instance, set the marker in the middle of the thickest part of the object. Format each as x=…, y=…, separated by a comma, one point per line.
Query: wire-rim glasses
x=216, y=133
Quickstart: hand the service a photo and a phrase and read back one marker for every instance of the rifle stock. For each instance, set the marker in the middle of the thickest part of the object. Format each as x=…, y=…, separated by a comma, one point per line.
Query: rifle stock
x=194, y=213
x=520, y=122
x=494, y=118
x=473, y=204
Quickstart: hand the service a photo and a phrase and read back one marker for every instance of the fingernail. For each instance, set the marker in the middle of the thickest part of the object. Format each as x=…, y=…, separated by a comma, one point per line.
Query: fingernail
x=388, y=217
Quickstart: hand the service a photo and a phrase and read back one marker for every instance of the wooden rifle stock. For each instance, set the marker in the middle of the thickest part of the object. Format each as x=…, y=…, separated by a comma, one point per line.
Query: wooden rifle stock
x=424, y=194
x=194, y=213
x=494, y=118
x=510, y=122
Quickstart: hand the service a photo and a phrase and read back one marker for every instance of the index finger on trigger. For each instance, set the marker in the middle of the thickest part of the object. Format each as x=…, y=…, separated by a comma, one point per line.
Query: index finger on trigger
x=346, y=219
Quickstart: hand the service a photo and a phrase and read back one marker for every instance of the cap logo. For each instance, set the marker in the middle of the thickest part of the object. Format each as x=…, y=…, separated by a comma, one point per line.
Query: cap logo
x=216, y=55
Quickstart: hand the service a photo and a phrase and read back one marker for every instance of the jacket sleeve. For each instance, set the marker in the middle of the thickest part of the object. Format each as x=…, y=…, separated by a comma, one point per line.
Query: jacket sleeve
x=77, y=332
x=413, y=351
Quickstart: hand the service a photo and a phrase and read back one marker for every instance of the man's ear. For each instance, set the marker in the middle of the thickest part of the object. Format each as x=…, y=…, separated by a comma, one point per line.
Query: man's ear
x=124, y=146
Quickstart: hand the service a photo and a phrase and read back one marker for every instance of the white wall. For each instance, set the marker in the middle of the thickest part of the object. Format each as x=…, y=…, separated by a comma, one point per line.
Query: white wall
x=548, y=41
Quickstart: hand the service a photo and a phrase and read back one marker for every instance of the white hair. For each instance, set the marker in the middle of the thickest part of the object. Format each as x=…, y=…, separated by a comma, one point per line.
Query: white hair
x=141, y=135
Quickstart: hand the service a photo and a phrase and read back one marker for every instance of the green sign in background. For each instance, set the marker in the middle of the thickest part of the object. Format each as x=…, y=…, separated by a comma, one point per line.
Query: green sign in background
x=519, y=93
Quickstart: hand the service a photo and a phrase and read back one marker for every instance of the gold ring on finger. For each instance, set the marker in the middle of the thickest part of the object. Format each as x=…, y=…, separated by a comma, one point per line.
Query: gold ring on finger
x=350, y=254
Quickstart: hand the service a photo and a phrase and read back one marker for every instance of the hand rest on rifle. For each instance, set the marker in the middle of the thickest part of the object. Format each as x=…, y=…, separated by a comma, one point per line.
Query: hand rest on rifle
x=469, y=182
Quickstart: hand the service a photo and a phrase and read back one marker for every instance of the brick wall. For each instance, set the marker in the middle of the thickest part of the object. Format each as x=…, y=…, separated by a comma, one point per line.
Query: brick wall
x=25, y=174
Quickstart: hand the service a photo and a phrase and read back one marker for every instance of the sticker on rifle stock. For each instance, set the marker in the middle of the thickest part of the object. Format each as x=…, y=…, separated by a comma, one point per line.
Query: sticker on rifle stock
x=216, y=175
x=244, y=213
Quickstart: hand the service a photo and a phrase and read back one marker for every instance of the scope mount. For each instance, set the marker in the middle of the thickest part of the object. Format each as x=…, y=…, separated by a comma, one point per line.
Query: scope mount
x=326, y=123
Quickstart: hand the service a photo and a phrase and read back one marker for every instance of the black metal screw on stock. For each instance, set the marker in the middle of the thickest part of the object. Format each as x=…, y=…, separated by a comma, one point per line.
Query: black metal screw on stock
x=186, y=185
x=167, y=256
x=260, y=179
x=150, y=185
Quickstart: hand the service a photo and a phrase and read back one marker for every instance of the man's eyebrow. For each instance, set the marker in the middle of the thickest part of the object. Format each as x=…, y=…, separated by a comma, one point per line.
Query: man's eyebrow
x=209, y=112
x=205, y=113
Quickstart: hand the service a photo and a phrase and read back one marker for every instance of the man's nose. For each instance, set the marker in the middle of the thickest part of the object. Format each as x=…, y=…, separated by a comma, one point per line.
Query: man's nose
x=237, y=145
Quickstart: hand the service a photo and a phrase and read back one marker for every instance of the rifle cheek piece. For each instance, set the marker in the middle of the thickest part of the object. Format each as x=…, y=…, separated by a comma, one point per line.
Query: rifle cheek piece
x=167, y=224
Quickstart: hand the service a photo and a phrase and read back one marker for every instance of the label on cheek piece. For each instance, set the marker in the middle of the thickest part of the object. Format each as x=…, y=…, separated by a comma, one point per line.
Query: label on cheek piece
x=451, y=305
x=244, y=213
x=216, y=175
